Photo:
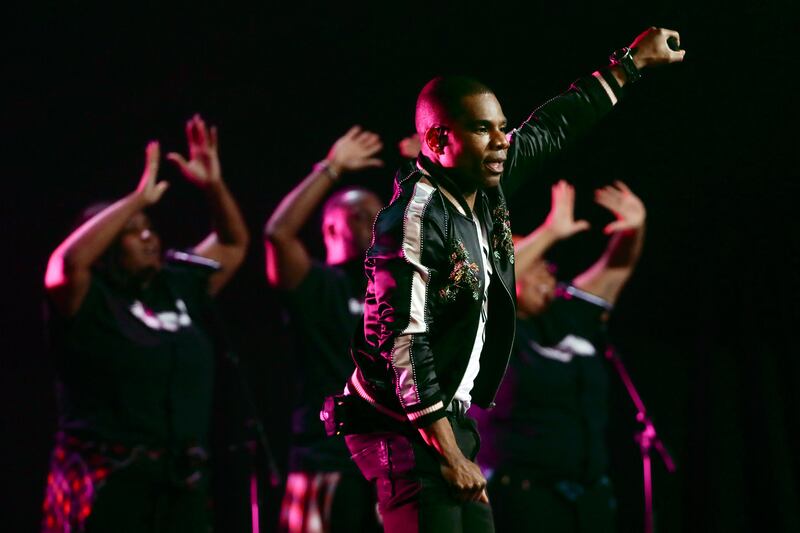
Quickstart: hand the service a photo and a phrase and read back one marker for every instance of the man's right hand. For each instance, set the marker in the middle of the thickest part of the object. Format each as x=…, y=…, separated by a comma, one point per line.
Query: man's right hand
x=466, y=479
x=460, y=473
x=354, y=150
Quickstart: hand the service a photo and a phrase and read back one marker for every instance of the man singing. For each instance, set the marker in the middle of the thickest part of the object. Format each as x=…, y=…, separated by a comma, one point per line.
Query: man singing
x=439, y=315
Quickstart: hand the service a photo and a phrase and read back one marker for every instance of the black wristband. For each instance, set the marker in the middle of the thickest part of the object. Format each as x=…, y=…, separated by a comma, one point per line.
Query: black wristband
x=624, y=58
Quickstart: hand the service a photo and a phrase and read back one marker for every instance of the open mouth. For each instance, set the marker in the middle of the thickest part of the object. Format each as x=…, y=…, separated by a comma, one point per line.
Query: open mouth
x=495, y=165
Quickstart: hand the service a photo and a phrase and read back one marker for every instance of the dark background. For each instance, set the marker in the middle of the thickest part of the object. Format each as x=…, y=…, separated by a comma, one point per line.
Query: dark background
x=707, y=325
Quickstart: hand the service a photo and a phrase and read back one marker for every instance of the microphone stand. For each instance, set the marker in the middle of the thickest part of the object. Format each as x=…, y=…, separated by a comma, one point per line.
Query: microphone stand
x=224, y=346
x=253, y=422
x=647, y=438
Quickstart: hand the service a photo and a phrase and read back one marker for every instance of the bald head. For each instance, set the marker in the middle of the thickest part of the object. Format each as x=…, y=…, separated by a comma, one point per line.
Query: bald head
x=349, y=198
x=347, y=219
x=441, y=100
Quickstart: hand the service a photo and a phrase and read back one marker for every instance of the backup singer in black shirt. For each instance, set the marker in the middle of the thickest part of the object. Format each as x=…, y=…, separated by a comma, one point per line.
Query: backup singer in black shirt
x=545, y=442
x=324, y=491
x=135, y=366
x=134, y=359
x=324, y=309
x=552, y=407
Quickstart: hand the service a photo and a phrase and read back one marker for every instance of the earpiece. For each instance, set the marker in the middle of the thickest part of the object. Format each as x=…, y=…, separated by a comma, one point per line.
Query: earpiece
x=441, y=136
x=436, y=138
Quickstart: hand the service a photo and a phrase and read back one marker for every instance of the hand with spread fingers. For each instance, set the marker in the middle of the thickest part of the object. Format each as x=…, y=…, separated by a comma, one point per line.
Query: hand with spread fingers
x=227, y=243
x=149, y=190
x=561, y=220
x=202, y=168
x=625, y=205
x=354, y=151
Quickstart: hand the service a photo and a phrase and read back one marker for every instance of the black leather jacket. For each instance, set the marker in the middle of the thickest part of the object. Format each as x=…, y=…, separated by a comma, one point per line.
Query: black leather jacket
x=425, y=281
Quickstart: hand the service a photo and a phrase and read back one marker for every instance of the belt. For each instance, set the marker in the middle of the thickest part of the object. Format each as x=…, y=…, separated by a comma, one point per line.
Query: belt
x=458, y=407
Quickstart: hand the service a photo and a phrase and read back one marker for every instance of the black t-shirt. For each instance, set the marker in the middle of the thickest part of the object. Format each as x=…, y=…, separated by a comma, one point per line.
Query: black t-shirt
x=552, y=408
x=136, y=368
x=324, y=311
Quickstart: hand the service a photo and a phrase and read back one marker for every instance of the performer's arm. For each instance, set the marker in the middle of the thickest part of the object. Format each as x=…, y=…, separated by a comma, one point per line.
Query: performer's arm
x=227, y=244
x=563, y=119
x=287, y=260
x=69, y=269
x=560, y=224
x=459, y=472
x=610, y=273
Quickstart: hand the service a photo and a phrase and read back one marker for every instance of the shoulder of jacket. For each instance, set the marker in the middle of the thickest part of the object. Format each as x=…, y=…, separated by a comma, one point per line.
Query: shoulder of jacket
x=413, y=187
x=418, y=200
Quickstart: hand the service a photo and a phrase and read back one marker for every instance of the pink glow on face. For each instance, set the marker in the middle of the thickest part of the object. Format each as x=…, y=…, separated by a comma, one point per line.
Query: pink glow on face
x=139, y=244
x=347, y=228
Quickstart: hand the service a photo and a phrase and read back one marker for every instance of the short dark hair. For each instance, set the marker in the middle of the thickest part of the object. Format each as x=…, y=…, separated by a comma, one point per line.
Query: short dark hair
x=442, y=97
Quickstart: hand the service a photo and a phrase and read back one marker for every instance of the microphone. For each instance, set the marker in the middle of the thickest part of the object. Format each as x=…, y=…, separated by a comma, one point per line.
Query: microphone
x=185, y=258
x=672, y=42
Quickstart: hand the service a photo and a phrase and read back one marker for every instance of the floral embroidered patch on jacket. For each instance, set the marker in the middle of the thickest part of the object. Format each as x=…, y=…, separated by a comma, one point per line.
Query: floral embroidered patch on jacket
x=502, y=241
x=463, y=274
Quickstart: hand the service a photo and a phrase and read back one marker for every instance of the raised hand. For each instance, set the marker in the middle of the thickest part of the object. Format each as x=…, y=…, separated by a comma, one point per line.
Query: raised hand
x=202, y=168
x=625, y=205
x=354, y=150
x=410, y=146
x=148, y=190
x=561, y=220
x=651, y=48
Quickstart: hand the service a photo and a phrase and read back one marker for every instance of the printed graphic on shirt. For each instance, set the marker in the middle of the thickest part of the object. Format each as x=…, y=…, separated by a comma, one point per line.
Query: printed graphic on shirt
x=564, y=351
x=165, y=320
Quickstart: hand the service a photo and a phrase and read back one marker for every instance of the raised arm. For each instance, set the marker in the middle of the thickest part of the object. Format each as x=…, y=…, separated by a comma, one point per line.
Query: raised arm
x=568, y=116
x=560, y=224
x=69, y=269
x=287, y=259
x=227, y=243
x=608, y=275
